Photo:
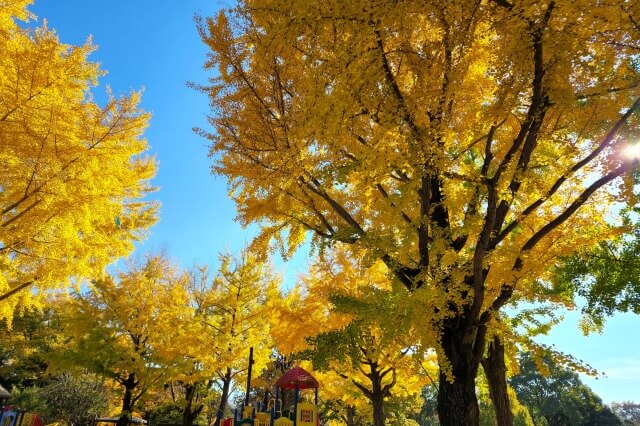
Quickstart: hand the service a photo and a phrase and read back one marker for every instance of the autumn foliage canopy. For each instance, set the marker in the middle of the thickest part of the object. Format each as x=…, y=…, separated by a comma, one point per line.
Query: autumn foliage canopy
x=465, y=144
x=72, y=172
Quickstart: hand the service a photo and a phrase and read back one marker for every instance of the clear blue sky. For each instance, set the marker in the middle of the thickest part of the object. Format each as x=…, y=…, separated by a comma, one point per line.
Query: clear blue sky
x=154, y=45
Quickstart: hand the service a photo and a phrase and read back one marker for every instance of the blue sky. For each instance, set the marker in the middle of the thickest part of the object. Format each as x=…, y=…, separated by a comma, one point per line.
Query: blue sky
x=154, y=45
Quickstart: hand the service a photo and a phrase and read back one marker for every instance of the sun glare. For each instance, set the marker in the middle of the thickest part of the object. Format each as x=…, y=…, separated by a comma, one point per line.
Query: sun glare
x=632, y=151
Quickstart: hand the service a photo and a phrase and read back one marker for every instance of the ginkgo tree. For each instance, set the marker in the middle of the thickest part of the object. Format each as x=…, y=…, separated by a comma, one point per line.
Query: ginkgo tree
x=135, y=330
x=73, y=174
x=336, y=318
x=234, y=312
x=465, y=144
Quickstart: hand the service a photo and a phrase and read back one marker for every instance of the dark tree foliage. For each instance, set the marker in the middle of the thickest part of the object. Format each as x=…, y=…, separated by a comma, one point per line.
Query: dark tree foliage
x=559, y=398
x=166, y=414
x=24, y=345
x=75, y=400
x=428, y=415
x=66, y=399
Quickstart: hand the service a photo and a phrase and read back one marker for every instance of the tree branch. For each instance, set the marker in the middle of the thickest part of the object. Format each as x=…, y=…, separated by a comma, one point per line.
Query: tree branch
x=507, y=290
x=16, y=290
x=316, y=188
x=606, y=141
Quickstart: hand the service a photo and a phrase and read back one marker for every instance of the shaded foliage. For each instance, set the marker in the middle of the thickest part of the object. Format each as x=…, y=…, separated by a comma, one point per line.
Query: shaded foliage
x=73, y=400
x=25, y=344
x=559, y=397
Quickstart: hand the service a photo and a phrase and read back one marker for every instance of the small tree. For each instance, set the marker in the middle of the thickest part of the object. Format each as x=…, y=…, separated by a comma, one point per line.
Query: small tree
x=336, y=321
x=131, y=330
x=235, y=312
x=75, y=400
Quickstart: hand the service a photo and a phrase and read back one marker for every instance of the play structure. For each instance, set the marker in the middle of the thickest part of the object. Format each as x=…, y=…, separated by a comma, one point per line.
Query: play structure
x=303, y=413
x=11, y=417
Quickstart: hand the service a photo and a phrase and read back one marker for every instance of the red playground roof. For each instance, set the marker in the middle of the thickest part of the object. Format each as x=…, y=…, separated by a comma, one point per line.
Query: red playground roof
x=297, y=377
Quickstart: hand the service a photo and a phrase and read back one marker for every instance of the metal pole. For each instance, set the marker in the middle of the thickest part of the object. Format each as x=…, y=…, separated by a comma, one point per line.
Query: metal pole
x=296, y=396
x=246, y=398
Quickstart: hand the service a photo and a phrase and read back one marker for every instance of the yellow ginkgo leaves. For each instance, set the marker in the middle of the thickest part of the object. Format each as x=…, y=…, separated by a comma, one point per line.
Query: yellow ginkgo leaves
x=73, y=174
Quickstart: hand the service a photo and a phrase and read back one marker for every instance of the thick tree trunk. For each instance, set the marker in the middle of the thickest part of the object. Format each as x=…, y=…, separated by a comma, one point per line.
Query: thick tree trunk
x=127, y=400
x=457, y=400
x=189, y=414
x=495, y=369
x=226, y=384
x=378, y=392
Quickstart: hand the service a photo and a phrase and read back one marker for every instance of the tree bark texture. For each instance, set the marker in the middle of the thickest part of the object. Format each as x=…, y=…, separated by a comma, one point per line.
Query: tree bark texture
x=351, y=415
x=495, y=369
x=457, y=400
x=377, y=396
x=189, y=414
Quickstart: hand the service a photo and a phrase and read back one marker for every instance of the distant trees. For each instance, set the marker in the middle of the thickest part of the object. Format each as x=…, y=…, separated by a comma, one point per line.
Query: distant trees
x=628, y=411
x=183, y=324
x=336, y=319
x=236, y=313
x=606, y=276
x=558, y=397
x=73, y=174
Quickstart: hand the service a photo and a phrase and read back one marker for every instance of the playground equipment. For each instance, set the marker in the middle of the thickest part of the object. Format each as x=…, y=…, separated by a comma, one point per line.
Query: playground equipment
x=11, y=417
x=303, y=414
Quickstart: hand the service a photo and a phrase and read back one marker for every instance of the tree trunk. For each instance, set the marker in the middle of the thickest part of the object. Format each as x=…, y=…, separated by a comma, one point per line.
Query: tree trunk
x=457, y=400
x=496, y=371
x=189, y=414
x=351, y=415
x=379, y=416
x=127, y=400
x=226, y=384
x=377, y=395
